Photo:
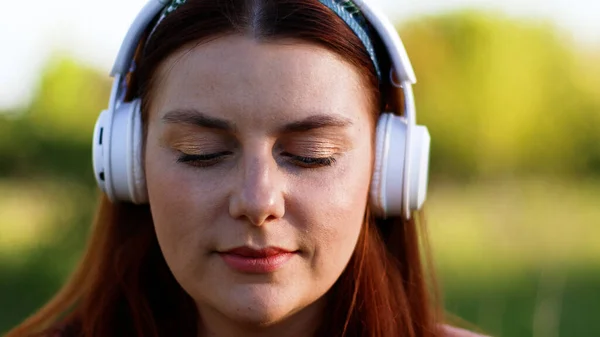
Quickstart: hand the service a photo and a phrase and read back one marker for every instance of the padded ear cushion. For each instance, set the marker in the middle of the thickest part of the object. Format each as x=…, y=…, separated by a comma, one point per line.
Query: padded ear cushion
x=388, y=134
x=117, y=184
x=137, y=178
x=375, y=190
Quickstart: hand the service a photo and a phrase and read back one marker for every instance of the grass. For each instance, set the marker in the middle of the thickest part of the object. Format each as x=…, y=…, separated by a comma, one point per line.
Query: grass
x=515, y=258
x=520, y=258
x=518, y=222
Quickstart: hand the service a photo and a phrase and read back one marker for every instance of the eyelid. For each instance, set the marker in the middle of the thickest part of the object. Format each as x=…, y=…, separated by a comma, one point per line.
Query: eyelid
x=313, y=148
x=177, y=136
x=198, y=145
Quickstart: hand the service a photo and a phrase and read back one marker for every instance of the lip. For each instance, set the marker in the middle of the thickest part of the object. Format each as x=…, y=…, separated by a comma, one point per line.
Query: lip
x=256, y=261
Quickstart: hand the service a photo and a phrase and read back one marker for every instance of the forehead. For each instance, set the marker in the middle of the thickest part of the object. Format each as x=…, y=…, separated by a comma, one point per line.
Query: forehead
x=238, y=77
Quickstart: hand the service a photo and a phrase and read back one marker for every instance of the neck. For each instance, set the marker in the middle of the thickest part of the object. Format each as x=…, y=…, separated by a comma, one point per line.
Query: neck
x=303, y=323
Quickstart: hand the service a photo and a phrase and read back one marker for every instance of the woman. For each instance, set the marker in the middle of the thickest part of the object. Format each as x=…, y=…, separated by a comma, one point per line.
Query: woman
x=257, y=190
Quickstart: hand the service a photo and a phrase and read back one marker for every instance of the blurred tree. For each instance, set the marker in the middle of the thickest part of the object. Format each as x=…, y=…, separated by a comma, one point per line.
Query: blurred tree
x=69, y=99
x=52, y=136
x=503, y=97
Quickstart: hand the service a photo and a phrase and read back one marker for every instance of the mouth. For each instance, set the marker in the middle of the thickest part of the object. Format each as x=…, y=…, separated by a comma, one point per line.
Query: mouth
x=257, y=253
x=256, y=261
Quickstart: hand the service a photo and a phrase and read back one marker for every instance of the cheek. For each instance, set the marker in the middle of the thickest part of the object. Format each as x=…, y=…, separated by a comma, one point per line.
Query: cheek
x=332, y=209
x=181, y=206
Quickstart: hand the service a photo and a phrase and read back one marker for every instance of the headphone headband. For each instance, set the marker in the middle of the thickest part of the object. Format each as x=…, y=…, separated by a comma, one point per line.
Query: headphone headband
x=378, y=20
x=132, y=38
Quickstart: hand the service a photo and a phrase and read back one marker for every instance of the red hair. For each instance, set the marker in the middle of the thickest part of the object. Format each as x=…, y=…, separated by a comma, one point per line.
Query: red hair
x=123, y=286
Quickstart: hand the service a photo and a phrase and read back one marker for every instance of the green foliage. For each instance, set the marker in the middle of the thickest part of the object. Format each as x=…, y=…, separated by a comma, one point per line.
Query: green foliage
x=69, y=99
x=52, y=136
x=503, y=97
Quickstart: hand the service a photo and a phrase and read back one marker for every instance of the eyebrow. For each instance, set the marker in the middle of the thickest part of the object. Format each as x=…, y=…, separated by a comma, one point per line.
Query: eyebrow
x=198, y=118
x=316, y=122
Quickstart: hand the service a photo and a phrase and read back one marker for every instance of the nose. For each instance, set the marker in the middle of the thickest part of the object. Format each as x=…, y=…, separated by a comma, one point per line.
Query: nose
x=258, y=195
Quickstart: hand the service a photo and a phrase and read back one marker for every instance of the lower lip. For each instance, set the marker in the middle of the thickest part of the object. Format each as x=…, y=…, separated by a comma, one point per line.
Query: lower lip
x=260, y=265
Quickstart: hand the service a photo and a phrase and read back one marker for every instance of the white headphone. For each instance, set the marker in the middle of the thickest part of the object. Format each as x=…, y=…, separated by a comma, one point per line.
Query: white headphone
x=399, y=182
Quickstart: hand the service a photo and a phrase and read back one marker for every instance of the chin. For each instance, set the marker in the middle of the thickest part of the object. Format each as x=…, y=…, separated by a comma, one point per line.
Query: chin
x=259, y=304
x=257, y=317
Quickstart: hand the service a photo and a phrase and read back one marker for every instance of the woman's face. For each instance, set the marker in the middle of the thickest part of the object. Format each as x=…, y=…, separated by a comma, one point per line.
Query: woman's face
x=258, y=164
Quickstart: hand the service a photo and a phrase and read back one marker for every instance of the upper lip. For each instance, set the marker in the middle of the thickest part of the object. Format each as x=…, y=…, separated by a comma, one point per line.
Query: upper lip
x=256, y=253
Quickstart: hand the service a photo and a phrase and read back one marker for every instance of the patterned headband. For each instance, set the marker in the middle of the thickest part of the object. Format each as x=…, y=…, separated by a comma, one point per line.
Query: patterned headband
x=345, y=9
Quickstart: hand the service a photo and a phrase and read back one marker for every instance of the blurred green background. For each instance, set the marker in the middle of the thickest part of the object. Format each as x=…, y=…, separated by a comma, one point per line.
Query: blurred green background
x=513, y=107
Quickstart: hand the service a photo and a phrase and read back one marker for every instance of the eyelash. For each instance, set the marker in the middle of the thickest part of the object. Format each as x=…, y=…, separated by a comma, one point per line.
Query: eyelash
x=311, y=162
x=206, y=160
x=202, y=160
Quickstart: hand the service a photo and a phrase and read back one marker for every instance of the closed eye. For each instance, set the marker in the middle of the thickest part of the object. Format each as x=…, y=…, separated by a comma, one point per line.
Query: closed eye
x=206, y=160
x=310, y=162
x=202, y=160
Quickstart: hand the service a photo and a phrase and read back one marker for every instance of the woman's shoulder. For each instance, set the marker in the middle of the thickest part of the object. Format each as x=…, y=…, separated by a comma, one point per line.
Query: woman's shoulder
x=450, y=331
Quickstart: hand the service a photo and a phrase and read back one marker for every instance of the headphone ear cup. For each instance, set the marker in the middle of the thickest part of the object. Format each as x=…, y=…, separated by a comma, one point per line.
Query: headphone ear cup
x=388, y=171
x=387, y=184
x=117, y=150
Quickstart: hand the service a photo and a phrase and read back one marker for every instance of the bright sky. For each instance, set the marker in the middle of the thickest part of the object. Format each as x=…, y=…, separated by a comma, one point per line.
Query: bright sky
x=31, y=30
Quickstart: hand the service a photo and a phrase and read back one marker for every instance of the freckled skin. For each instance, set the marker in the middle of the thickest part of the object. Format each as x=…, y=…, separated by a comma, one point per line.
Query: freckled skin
x=258, y=194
